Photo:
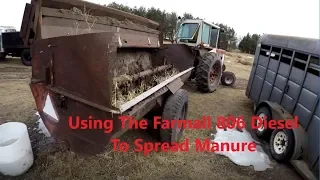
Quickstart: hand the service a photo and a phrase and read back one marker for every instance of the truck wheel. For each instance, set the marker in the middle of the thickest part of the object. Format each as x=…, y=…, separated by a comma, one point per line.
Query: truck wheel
x=175, y=108
x=3, y=56
x=282, y=144
x=262, y=132
x=223, y=67
x=208, y=73
x=228, y=78
x=26, y=57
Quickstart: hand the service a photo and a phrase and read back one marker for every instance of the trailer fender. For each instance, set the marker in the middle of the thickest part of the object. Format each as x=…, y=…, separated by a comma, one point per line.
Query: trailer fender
x=300, y=139
x=278, y=112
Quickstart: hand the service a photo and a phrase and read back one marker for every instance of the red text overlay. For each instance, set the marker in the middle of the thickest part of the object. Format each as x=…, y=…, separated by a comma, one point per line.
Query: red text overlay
x=205, y=122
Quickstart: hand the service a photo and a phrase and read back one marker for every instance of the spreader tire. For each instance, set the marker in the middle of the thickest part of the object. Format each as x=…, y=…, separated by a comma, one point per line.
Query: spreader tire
x=209, y=62
x=175, y=108
x=228, y=78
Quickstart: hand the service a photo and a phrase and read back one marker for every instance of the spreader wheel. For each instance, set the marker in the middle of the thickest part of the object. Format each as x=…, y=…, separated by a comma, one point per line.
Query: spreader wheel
x=175, y=108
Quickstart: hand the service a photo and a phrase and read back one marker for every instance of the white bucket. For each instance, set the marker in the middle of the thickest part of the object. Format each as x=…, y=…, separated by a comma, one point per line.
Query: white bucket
x=16, y=156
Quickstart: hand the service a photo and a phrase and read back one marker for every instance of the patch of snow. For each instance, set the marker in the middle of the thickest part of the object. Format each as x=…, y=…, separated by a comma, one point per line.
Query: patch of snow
x=258, y=158
x=42, y=128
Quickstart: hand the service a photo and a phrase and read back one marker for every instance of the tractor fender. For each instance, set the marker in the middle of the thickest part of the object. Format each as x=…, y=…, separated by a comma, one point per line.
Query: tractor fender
x=278, y=112
x=220, y=52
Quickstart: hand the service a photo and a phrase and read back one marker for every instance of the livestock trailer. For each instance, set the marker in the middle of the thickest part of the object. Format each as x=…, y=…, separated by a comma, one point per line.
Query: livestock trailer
x=283, y=84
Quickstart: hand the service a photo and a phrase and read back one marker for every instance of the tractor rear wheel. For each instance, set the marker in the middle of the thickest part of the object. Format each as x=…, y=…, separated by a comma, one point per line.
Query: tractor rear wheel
x=208, y=73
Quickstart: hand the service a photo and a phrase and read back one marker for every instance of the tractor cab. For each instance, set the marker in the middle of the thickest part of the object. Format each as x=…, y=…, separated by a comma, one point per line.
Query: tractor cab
x=193, y=32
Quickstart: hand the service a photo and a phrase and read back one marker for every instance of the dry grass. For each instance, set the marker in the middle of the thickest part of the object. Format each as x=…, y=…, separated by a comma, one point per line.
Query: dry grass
x=132, y=90
x=17, y=104
x=245, y=62
x=86, y=17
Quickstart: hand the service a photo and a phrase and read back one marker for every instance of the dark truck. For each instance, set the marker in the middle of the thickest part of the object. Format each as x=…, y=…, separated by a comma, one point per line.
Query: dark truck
x=284, y=82
x=11, y=44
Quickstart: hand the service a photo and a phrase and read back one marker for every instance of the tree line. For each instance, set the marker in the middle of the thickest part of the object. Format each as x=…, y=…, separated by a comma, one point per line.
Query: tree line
x=168, y=21
x=248, y=43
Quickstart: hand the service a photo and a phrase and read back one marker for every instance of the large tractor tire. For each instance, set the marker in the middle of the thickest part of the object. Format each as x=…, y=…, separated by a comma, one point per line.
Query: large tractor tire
x=26, y=57
x=208, y=73
x=175, y=108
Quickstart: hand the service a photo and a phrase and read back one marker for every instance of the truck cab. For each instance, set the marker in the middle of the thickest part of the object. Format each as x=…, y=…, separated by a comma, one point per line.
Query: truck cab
x=4, y=29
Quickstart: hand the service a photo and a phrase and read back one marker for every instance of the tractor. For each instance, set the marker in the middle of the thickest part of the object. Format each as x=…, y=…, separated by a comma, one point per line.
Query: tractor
x=201, y=38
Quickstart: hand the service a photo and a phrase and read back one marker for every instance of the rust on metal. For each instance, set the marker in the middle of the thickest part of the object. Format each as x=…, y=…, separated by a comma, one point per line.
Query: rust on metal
x=75, y=59
x=179, y=55
x=53, y=18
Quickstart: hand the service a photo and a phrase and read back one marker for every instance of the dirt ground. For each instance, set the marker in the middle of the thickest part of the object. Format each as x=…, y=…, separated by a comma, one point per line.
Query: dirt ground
x=17, y=104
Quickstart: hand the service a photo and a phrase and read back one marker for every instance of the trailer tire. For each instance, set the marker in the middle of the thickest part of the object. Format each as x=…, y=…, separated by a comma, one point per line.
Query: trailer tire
x=228, y=78
x=208, y=73
x=282, y=144
x=262, y=132
x=175, y=108
x=26, y=57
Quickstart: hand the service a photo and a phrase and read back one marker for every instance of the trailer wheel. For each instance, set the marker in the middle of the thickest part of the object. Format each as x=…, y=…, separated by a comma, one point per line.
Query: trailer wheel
x=282, y=144
x=228, y=78
x=175, y=108
x=262, y=132
x=26, y=57
x=208, y=73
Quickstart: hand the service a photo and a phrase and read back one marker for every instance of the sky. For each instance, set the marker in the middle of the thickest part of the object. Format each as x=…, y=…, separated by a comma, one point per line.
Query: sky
x=282, y=17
